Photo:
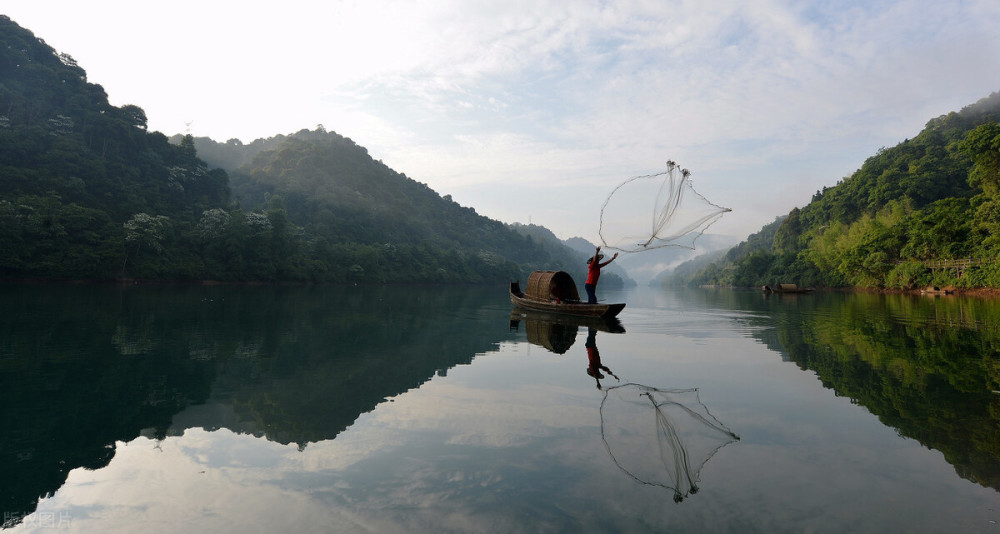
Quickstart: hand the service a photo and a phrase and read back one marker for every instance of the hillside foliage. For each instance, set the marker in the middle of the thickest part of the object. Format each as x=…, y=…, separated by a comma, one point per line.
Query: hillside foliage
x=929, y=199
x=87, y=191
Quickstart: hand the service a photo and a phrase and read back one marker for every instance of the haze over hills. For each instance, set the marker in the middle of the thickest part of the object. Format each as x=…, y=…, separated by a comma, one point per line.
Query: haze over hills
x=648, y=266
x=240, y=161
x=86, y=191
x=652, y=265
x=613, y=275
x=331, y=186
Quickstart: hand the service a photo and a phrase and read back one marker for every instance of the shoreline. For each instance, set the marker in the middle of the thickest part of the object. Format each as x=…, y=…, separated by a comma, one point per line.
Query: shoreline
x=947, y=291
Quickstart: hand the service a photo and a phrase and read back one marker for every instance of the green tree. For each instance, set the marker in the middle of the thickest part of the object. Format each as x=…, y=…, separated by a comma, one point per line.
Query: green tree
x=143, y=230
x=134, y=116
x=983, y=146
x=939, y=231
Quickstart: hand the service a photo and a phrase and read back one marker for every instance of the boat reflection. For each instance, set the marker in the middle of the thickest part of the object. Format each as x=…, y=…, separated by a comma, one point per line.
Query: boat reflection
x=557, y=332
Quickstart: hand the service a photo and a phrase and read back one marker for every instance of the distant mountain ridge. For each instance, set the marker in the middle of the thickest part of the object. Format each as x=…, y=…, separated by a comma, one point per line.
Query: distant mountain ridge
x=335, y=191
x=651, y=266
x=86, y=191
x=612, y=276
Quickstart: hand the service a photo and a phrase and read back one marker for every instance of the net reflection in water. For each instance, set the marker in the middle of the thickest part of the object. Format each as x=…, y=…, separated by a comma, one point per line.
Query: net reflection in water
x=661, y=437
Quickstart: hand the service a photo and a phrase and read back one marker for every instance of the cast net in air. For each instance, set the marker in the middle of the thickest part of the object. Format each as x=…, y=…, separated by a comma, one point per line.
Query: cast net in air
x=656, y=210
x=661, y=437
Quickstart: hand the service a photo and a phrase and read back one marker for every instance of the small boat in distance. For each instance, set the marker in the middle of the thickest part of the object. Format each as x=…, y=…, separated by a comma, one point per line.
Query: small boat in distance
x=555, y=292
x=786, y=288
x=935, y=290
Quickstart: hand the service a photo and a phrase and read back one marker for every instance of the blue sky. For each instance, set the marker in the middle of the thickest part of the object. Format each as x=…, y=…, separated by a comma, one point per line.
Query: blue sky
x=535, y=110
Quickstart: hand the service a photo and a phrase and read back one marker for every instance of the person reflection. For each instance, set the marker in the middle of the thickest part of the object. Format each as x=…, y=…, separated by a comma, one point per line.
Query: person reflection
x=595, y=367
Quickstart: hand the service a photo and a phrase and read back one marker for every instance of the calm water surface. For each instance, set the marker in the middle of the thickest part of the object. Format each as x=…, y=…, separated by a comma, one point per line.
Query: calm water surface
x=330, y=409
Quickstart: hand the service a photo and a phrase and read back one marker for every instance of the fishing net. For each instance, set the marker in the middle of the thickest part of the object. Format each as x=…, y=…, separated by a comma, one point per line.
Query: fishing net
x=661, y=437
x=676, y=216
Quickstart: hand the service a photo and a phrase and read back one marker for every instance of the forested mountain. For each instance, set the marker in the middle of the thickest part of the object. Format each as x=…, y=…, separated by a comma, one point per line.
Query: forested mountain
x=354, y=216
x=86, y=191
x=907, y=211
x=76, y=172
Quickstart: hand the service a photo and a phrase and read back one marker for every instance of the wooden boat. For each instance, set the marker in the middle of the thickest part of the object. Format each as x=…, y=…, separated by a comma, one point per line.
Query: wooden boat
x=786, y=288
x=555, y=292
x=935, y=290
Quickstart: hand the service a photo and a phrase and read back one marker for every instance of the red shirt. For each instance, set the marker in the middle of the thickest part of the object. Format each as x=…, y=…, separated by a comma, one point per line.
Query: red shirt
x=593, y=272
x=594, y=357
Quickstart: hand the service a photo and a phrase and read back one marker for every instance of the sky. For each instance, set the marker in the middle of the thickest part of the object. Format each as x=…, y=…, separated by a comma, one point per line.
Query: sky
x=534, y=111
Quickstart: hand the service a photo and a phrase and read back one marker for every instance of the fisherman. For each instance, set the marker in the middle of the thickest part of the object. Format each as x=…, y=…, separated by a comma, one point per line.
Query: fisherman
x=594, y=266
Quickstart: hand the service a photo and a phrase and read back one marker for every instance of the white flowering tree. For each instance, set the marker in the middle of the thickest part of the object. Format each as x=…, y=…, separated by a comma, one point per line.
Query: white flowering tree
x=214, y=224
x=144, y=230
x=258, y=224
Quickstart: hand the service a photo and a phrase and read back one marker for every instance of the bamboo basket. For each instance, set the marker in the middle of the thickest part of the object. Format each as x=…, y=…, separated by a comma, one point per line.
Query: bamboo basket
x=551, y=285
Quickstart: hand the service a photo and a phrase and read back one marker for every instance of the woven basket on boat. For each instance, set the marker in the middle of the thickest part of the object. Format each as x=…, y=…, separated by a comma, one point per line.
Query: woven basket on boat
x=548, y=285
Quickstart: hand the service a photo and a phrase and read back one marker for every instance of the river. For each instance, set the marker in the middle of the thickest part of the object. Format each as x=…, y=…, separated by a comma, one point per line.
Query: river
x=437, y=409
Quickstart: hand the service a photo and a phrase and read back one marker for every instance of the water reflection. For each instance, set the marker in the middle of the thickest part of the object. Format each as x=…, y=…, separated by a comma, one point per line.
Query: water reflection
x=449, y=418
x=929, y=367
x=83, y=368
x=557, y=332
x=594, y=363
x=670, y=453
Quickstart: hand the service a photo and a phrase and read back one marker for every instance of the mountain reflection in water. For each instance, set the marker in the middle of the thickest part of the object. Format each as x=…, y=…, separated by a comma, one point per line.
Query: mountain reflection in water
x=926, y=366
x=83, y=367
x=479, y=417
